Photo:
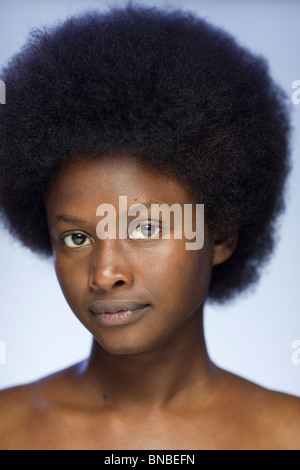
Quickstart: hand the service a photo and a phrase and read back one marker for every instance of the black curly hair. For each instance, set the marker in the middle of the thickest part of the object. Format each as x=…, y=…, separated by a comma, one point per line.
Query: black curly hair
x=162, y=85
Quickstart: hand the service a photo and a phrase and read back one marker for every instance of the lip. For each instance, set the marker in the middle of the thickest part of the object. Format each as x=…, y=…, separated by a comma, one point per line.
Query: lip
x=117, y=312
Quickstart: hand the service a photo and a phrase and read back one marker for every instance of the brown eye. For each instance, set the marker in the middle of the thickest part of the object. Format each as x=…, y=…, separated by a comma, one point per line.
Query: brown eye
x=76, y=240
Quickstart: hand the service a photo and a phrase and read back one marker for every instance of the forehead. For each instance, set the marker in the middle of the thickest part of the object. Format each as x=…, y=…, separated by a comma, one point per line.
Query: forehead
x=104, y=179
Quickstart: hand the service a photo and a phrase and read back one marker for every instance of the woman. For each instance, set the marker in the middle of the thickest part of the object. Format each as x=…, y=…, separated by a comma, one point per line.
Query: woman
x=162, y=108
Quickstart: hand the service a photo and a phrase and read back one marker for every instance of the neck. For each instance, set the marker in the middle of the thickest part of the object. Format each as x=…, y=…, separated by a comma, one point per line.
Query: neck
x=169, y=376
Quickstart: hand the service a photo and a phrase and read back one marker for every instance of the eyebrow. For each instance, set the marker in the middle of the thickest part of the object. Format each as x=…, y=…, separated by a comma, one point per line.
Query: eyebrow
x=68, y=218
x=76, y=220
x=143, y=204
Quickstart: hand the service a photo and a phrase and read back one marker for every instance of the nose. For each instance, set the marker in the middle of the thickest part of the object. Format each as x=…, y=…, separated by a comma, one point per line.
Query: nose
x=109, y=266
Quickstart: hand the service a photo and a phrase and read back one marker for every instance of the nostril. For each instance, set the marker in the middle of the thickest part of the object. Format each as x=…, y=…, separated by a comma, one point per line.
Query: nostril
x=108, y=280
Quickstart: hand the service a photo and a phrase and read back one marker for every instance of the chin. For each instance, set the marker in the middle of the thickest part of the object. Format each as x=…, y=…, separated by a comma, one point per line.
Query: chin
x=127, y=348
x=117, y=348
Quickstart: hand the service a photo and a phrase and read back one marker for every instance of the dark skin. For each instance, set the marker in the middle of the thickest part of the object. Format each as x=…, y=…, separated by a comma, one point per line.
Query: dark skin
x=149, y=384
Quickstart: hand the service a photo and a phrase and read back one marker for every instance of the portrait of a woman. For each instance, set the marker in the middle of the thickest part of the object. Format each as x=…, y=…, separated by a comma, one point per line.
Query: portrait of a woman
x=162, y=107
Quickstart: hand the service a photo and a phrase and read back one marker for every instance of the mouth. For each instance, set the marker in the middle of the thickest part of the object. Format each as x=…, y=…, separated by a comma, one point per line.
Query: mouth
x=120, y=315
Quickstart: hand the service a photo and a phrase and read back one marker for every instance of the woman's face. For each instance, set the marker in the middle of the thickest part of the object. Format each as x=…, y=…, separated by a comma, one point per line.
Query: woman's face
x=107, y=275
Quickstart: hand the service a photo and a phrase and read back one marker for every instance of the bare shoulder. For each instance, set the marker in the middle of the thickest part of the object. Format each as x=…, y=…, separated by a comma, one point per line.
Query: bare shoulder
x=283, y=411
x=13, y=410
x=273, y=416
x=24, y=408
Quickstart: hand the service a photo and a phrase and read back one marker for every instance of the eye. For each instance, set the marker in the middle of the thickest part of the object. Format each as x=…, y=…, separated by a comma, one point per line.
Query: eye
x=75, y=240
x=145, y=231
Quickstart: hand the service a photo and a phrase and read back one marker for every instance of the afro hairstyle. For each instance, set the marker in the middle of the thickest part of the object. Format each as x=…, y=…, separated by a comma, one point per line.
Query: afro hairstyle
x=167, y=87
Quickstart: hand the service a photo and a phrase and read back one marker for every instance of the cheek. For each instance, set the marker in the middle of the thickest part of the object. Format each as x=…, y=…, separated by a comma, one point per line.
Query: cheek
x=183, y=277
x=71, y=279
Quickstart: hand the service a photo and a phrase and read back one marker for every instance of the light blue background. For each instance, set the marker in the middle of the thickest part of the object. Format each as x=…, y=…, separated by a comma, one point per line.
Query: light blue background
x=251, y=337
